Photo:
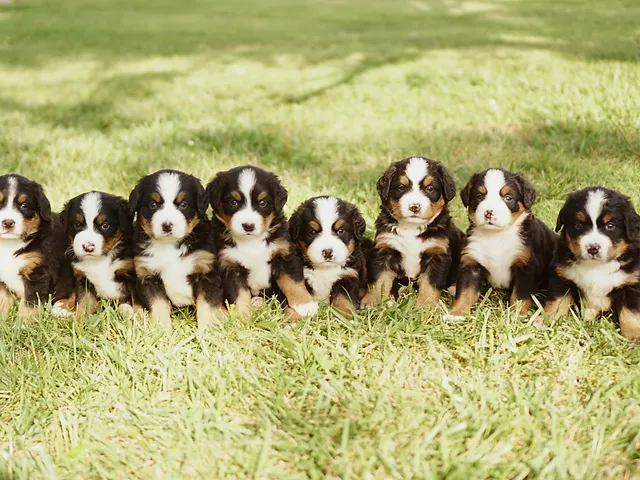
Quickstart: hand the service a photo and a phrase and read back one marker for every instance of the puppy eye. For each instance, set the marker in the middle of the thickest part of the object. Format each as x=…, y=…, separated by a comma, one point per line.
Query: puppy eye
x=578, y=226
x=402, y=187
x=77, y=225
x=430, y=188
x=507, y=198
x=312, y=232
x=105, y=226
x=479, y=196
x=610, y=226
x=340, y=231
x=262, y=203
x=23, y=206
x=182, y=205
x=153, y=205
x=233, y=202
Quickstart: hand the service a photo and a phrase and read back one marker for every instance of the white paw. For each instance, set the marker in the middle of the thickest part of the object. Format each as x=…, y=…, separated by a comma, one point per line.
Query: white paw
x=452, y=318
x=59, y=310
x=306, y=309
x=126, y=310
x=257, y=302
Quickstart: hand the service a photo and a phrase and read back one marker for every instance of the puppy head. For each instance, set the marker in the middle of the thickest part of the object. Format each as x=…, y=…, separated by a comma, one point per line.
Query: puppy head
x=416, y=190
x=599, y=224
x=169, y=204
x=96, y=223
x=328, y=230
x=24, y=208
x=247, y=200
x=497, y=198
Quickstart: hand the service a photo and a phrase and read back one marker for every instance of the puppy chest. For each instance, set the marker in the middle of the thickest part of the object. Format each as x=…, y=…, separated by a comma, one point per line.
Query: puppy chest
x=255, y=256
x=174, y=268
x=10, y=267
x=322, y=280
x=497, y=253
x=410, y=247
x=596, y=280
x=101, y=273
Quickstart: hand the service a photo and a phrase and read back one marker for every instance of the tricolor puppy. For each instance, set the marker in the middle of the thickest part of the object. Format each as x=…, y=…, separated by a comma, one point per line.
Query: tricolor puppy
x=598, y=257
x=31, y=245
x=327, y=232
x=99, y=230
x=506, y=245
x=255, y=250
x=174, y=247
x=416, y=239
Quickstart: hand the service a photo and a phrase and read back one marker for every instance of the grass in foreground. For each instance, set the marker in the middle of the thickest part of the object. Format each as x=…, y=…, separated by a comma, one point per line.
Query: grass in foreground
x=95, y=94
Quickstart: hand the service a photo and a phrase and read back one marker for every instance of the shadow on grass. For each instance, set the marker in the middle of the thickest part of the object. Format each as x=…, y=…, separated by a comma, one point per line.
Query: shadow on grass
x=34, y=32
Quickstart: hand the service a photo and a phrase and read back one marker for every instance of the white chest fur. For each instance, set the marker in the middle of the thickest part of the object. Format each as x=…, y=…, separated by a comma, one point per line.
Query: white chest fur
x=101, y=271
x=596, y=280
x=321, y=280
x=11, y=265
x=496, y=250
x=254, y=255
x=174, y=266
x=405, y=240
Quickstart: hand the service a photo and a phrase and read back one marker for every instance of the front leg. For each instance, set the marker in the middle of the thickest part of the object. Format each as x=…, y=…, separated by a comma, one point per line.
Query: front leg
x=36, y=289
x=154, y=298
x=86, y=298
x=433, y=279
x=383, y=270
x=561, y=295
x=288, y=274
x=7, y=300
x=524, y=286
x=236, y=289
x=627, y=304
x=345, y=294
x=209, y=299
x=471, y=278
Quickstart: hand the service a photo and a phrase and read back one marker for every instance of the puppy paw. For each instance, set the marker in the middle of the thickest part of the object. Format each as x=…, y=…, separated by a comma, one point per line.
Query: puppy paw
x=539, y=324
x=126, y=310
x=60, y=309
x=257, y=302
x=452, y=318
x=306, y=309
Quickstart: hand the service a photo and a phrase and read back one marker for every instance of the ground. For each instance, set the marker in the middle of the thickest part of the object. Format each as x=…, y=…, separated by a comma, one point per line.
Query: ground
x=96, y=93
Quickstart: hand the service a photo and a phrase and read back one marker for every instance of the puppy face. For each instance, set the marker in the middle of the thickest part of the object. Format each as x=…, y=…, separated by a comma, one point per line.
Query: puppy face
x=96, y=222
x=599, y=224
x=328, y=230
x=416, y=189
x=23, y=207
x=496, y=198
x=247, y=200
x=169, y=204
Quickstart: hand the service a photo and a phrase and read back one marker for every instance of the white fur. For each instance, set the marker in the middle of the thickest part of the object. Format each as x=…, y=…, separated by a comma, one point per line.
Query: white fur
x=595, y=202
x=90, y=207
x=247, y=215
x=327, y=214
x=169, y=187
x=321, y=280
x=10, y=265
x=173, y=266
x=306, y=309
x=493, y=181
x=254, y=254
x=596, y=279
x=496, y=251
x=100, y=271
x=10, y=212
x=416, y=170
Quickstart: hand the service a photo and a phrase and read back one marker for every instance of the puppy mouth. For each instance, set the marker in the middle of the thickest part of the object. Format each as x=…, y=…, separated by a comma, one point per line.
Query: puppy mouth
x=9, y=235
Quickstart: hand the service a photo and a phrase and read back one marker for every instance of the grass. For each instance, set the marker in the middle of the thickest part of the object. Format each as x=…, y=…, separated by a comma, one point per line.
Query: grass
x=94, y=94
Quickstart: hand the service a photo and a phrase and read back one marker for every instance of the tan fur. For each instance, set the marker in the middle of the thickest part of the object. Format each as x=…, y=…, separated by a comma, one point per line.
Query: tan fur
x=32, y=260
x=296, y=292
x=315, y=225
x=126, y=266
x=581, y=217
x=466, y=300
x=26, y=311
x=223, y=217
x=100, y=219
x=382, y=288
x=261, y=196
x=339, y=224
x=630, y=324
x=21, y=198
x=434, y=208
x=161, y=312
x=267, y=221
x=191, y=224
x=428, y=295
x=180, y=197
x=525, y=304
x=395, y=208
x=619, y=248
x=146, y=227
x=559, y=306
x=1, y=197
x=515, y=215
x=342, y=302
x=426, y=181
x=142, y=271
x=281, y=247
x=155, y=196
x=203, y=261
x=87, y=304
x=31, y=226
x=243, y=303
x=206, y=314
x=404, y=180
x=7, y=300
x=482, y=189
x=607, y=218
x=110, y=243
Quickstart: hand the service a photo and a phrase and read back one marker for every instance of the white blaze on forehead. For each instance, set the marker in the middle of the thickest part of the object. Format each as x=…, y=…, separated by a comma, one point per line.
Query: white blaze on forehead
x=168, y=187
x=13, y=187
x=494, y=181
x=595, y=201
x=10, y=212
x=246, y=182
x=416, y=171
x=90, y=206
x=327, y=212
x=247, y=215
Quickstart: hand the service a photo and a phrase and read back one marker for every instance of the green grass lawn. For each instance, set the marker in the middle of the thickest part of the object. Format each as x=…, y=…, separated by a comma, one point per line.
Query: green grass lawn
x=96, y=93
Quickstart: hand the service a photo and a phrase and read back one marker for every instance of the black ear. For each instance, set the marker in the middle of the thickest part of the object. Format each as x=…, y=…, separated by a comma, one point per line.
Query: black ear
x=135, y=199
x=528, y=192
x=448, y=184
x=295, y=222
x=214, y=191
x=64, y=217
x=631, y=222
x=280, y=196
x=359, y=224
x=384, y=183
x=43, y=204
x=125, y=217
x=562, y=217
x=202, y=199
x=465, y=193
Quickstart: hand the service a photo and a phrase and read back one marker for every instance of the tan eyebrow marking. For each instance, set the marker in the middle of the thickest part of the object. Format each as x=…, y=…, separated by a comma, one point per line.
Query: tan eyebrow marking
x=1, y=197
x=100, y=219
x=404, y=180
x=21, y=198
x=426, y=181
x=155, y=196
x=581, y=217
x=315, y=225
x=262, y=196
x=79, y=218
x=505, y=190
x=482, y=189
x=607, y=218
x=339, y=224
x=236, y=195
x=180, y=197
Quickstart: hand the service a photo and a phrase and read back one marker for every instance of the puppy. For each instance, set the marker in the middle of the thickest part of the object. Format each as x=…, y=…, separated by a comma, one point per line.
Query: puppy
x=174, y=248
x=598, y=256
x=31, y=246
x=327, y=233
x=416, y=239
x=99, y=230
x=505, y=245
x=256, y=254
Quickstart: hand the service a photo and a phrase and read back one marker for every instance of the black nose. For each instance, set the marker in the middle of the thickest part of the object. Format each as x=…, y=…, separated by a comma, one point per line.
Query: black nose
x=327, y=253
x=593, y=249
x=88, y=247
x=414, y=208
x=488, y=214
x=8, y=224
x=248, y=227
x=167, y=227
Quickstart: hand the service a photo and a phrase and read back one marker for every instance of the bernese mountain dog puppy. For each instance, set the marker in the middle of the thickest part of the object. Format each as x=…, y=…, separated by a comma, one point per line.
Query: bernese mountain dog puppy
x=31, y=246
x=99, y=231
x=255, y=251
x=505, y=244
x=416, y=238
x=598, y=257
x=174, y=247
x=327, y=233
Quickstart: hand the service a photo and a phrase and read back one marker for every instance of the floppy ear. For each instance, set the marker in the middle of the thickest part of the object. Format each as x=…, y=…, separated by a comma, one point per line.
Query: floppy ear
x=43, y=204
x=631, y=221
x=295, y=222
x=528, y=192
x=64, y=217
x=448, y=185
x=280, y=196
x=135, y=198
x=202, y=199
x=562, y=217
x=214, y=191
x=124, y=217
x=359, y=224
x=384, y=183
x=465, y=193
